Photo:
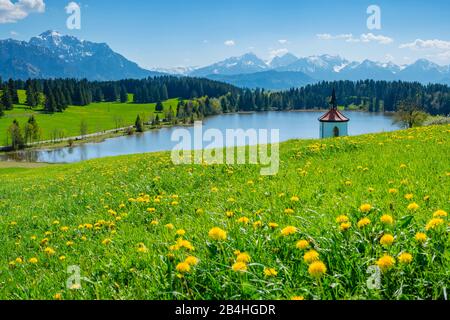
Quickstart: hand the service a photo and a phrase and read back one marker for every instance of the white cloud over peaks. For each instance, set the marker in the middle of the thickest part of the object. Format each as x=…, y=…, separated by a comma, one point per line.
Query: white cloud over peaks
x=12, y=12
x=278, y=52
x=365, y=38
x=426, y=44
x=230, y=43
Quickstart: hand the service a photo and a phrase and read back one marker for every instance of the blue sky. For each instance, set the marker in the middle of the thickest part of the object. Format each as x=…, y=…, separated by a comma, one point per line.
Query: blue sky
x=198, y=32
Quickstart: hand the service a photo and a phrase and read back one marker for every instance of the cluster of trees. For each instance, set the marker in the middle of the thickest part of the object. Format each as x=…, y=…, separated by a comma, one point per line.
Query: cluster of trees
x=21, y=137
x=369, y=95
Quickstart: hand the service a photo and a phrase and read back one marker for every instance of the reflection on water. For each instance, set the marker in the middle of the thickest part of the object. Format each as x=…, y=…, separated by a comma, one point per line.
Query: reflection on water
x=292, y=125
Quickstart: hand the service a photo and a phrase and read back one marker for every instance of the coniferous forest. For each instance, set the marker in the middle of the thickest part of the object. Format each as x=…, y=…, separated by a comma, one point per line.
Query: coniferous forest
x=374, y=96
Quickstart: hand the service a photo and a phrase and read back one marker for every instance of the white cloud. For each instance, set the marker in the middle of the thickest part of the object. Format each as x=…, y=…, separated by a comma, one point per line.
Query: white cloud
x=365, y=37
x=426, y=44
x=13, y=33
x=12, y=12
x=283, y=41
x=278, y=52
x=369, y=37
x=327, y=36
x=230, y=43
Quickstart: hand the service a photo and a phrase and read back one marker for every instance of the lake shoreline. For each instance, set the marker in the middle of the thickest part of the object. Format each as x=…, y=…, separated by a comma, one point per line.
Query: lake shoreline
x=157, y=138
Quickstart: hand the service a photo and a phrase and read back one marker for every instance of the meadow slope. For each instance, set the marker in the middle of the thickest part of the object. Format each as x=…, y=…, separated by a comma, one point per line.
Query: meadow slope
x=139, y=227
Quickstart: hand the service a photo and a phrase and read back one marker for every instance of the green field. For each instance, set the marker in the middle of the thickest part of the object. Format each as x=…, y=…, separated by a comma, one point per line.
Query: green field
x=98, y=117
x=138, y=227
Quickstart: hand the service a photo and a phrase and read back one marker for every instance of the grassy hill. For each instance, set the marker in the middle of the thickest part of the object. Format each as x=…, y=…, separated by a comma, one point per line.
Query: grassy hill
x=98, y=117
x=138, y=227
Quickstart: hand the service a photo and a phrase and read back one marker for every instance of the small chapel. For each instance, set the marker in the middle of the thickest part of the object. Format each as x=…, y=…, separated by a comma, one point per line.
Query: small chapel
x=333, y=123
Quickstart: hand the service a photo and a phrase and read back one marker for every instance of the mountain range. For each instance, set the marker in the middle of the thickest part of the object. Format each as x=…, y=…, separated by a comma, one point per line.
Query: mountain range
x=53, y=55
x=282, y=72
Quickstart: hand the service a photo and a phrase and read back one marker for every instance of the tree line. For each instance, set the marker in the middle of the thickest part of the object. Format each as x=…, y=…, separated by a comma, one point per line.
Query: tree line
x=55, y=95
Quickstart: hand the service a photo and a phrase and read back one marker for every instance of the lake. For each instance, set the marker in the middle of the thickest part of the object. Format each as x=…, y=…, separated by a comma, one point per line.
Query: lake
x=292, y=125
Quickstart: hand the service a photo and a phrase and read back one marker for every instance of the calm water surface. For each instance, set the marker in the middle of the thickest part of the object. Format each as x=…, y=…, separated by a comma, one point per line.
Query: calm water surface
x=292, y=125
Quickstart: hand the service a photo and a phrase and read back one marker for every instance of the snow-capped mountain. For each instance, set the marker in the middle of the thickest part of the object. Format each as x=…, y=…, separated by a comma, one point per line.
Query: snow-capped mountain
x=318, y=68
x=248, y=63
x=53, y=55
x=282, y=61
x=178, y=71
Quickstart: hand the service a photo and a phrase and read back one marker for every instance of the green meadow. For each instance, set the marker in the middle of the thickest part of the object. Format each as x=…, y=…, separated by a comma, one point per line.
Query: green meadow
x=98, y=117
x=349, y=218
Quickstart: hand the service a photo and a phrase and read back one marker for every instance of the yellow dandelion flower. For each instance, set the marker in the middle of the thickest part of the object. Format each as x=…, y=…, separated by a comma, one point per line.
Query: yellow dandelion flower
x=365, y=208
x=192, y=261
x=387, y=219
x=273, y=225
x=440, y=214
x=409, y=196
x=243, y=220
x=342, y=219
x=290, y=230
x=200, y=211
x=33, y=260
x=214, y=189
x=239, y=267
x=295, y=199
x=270, y=272
x=151, y=210
x=183, y=267
x=49, y=251
x=142, y=248
x=405, y=258
x=317, y=269
x=364, y=222
x=154, y=223
x=217, y=234
x=243, y=257
x=170, y=226
x=64, y=229
x=393, y=191
x=106, y=242
x=302, y=244
x=174, y=203
x=289, y=211
x=181, y=232
x=19, y=260
x=57, y=296
x=345, y=226
x=385, y=263
x=434, y=223
x=421, y=237
x=387, y=240
x=298, y=298
x=69, y=243
x=311, y=256
x=229, y=214
x=257, y=224
x=62, y=258
x=413, y=206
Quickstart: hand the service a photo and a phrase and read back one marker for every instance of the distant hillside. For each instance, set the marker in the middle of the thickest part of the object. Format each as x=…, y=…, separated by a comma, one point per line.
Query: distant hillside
x=272, y=80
